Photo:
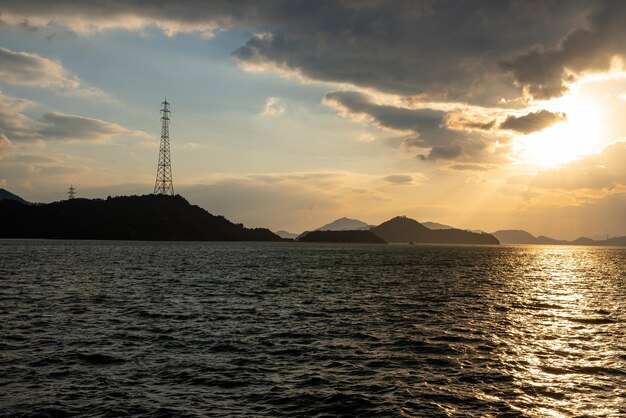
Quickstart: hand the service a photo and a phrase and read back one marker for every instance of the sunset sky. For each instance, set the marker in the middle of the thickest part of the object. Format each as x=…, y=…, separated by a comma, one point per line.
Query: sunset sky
x=288, y=114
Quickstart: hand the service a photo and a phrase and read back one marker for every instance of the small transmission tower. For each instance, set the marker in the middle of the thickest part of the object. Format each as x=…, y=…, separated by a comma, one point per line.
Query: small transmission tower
x=163, y=184
x=71, y=192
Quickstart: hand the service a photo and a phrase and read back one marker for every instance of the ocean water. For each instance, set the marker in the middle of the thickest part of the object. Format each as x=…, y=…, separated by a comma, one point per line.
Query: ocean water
x=254, y=329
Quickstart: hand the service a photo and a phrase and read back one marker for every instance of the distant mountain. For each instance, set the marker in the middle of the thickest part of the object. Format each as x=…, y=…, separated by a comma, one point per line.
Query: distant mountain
x=7, y=195
x=149, y=217
x=583, y=241
x=404, y=230
x=617, y=241
x=543, y=240
x=359, y=237
x=286, y=235
x=516, y=236
x=345, y=224
x=435, y=225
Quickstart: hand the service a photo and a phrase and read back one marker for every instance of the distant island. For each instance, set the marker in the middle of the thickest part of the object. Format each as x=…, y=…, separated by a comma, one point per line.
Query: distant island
x=517, y=236
x=149, y=217
x=172, y=218
x=286, y=234
x=358, y=236
x=406, y=230
x=400, y=230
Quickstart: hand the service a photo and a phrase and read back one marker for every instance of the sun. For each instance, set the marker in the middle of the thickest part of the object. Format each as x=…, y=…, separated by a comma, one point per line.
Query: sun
x=578, y=135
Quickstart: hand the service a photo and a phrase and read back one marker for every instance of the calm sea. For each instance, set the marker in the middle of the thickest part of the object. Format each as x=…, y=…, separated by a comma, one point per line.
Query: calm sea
x=252, y=329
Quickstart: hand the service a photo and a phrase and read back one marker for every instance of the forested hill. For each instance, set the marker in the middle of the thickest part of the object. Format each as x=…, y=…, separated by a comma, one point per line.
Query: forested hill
x=403, y=229
x=148, y=217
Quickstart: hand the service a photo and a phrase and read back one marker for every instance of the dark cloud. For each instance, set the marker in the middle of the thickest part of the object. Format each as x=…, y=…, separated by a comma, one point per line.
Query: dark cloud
x=27, y=69
x=447, y=50
x=387, y=116
x=544, y=71
x=399, y=179
x=450, y=152
x=471, y=167
x=425, y=128
x=16, y=126
x=443, y=49
x=69, y=127
x=437, y=50
x=532, y=122
x=31, y=70
x=485, y=126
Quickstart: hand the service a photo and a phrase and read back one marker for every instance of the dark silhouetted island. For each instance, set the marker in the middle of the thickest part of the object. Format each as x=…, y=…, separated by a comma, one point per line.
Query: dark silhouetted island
x=286, y=234
x=406, y=230
x=149, y=217
x=518, y=236
x=515, y=236
x=357, y=237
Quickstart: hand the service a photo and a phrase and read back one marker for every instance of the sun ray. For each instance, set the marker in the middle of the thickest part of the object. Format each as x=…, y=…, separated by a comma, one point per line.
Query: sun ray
x=565, y=141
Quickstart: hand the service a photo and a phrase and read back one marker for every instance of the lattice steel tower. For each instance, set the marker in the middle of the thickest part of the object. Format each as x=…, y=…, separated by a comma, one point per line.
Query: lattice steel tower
x=163, y=184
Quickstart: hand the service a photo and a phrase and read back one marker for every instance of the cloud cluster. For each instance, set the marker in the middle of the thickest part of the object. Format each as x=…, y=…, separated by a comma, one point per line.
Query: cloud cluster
x=532, y=122
x=58, y=126
x=86, y=17
x=443, y=49
x=489, y=54
x=545, y=72
x=273, y=107
x=27, y=69
x=17, y=127
x=399, y=178
x=425, y=129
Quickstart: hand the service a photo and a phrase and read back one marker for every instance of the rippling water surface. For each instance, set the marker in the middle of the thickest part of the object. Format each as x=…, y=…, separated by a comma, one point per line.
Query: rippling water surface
x=249, y=329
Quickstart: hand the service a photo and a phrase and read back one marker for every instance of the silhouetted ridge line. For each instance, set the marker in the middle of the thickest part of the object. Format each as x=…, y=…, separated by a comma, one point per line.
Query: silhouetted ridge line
x=149, y=217
x=7, y=195
x=405, y=230
x=517, y=236
x=358, y=236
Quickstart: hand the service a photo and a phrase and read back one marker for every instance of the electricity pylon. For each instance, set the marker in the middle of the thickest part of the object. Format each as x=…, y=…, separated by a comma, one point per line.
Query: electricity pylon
x=163, y=184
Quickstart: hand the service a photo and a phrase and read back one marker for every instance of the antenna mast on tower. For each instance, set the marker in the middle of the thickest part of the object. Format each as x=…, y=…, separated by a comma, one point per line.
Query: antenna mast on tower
x=71, y=192
x=163, y=184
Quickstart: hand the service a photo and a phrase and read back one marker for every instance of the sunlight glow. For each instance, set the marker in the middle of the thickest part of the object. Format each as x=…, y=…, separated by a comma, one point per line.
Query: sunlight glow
x=565, y=141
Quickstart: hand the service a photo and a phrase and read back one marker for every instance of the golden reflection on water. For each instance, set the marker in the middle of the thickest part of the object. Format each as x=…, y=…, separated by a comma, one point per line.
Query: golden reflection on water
x=561, y=337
